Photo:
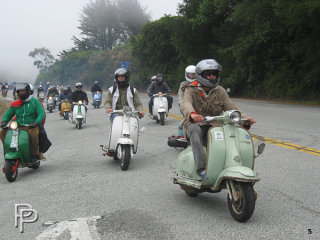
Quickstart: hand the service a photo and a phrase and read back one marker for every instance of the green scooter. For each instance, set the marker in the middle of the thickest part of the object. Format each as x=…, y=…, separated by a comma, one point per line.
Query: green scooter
x=229, y=165
x=16, y=152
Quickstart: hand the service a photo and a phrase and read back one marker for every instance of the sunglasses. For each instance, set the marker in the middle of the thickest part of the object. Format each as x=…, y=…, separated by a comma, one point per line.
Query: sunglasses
x=213, y=73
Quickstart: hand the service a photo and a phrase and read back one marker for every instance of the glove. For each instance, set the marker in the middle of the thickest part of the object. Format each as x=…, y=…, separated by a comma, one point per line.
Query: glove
x=4, y=124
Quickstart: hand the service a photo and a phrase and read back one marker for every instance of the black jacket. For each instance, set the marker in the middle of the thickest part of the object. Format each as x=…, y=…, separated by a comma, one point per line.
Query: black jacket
x=78, y=95
x=154, y=88
x=96, y=88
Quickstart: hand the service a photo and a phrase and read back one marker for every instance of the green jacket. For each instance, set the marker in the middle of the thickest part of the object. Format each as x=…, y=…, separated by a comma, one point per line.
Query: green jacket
x=28, y=112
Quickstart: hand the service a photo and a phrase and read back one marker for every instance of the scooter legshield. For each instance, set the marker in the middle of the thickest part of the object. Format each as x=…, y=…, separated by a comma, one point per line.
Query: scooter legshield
x=228, y=146
x=21, y=151
x=159, y=102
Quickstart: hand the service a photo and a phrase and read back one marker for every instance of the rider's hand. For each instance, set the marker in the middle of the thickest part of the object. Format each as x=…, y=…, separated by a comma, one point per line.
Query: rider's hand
x=109, y=110
x=4, y=124
x=86, y=103
x=196, y=117
x=141, y=114
x=247, y=123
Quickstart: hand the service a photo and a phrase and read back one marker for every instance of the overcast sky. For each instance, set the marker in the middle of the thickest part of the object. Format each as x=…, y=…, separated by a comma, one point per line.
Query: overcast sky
x=29, y=24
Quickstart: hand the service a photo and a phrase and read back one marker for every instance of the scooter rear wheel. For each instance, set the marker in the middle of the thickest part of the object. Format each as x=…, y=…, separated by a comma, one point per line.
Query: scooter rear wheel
x=8, y=169
x=242, y=209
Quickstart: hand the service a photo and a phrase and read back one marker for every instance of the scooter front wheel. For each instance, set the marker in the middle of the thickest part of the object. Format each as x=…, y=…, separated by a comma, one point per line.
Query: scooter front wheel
x=161, y=118
x=242, y=209
x=126, y=156
x=11, y=175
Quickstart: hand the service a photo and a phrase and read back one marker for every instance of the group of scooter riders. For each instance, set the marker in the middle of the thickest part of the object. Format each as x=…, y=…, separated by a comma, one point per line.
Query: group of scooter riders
x=200, y=95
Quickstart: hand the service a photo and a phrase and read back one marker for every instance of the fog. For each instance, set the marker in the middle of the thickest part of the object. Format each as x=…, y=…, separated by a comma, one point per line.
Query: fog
x=29, y=24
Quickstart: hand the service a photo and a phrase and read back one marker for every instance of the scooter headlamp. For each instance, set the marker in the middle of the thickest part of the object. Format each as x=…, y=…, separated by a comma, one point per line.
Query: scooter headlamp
x=13, y=125
x=160, y=94
x=127, y=110
x=235, y=116
x=80, y=102
x=50, y=98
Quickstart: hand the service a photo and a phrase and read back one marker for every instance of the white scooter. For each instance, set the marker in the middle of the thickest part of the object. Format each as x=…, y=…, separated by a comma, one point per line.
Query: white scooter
x=160, y=107
x=78, y=115
x=123, y=138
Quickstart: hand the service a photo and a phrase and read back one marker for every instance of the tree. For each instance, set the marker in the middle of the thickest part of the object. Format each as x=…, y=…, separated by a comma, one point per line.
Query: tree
x=44, y=58
x=106, y=24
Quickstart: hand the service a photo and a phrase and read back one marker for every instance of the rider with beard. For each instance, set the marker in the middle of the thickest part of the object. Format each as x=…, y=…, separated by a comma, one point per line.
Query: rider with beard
x=121, y=95
x=78, y=95
x=29, y=115
x=159, y=86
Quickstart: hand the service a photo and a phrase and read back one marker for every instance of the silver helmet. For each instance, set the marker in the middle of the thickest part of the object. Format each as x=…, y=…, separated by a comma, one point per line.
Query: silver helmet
x=191, y=69
x=207, y=66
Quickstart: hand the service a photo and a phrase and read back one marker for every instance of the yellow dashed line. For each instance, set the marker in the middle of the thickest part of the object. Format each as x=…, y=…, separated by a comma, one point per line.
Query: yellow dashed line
x=274, y=142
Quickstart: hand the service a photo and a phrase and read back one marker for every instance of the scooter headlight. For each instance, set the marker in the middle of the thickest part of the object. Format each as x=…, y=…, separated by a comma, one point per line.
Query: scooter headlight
x=160, y=94
x=127, y=110
x=13, y=125
x=80, y=102
x=50, y=98
x=235, y=116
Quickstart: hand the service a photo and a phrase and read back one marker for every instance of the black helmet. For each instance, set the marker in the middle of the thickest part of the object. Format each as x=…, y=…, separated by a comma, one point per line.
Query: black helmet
x=205, y=67
x=23, y=86
x=122, y=72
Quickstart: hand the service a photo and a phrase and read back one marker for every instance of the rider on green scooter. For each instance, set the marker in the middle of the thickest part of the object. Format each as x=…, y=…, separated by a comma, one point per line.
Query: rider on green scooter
x=207, y=98
x=29, y=115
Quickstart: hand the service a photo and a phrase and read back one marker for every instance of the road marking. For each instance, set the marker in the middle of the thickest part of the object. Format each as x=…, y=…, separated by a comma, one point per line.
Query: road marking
x=273, y=141
x=76, y=229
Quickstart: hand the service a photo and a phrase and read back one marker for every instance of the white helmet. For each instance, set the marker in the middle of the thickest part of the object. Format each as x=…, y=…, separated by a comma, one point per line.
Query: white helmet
x=191, y=69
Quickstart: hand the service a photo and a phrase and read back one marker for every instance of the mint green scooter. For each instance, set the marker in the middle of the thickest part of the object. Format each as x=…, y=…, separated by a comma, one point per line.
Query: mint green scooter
x=230, y=163
x=16, y=152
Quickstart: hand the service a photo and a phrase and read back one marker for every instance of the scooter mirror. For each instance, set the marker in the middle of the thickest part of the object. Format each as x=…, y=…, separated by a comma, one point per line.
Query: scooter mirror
x=261, y=148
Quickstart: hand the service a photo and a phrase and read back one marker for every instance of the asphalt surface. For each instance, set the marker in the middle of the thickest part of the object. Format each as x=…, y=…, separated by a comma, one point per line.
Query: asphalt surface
x=77, y=182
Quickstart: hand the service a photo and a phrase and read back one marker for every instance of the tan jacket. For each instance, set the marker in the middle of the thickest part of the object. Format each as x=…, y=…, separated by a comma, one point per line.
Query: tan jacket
x=195, y=100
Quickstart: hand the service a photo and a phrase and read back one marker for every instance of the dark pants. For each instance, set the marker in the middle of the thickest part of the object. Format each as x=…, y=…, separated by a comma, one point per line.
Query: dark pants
x=44, y=142
x=169, y=99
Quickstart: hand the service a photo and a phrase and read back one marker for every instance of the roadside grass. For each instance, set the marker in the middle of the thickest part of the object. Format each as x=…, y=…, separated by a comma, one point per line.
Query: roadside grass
x=3, y=107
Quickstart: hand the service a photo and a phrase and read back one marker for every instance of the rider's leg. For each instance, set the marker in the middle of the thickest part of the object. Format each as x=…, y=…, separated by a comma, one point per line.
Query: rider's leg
x=194, y=133
x=34, y=140
x=150, y=105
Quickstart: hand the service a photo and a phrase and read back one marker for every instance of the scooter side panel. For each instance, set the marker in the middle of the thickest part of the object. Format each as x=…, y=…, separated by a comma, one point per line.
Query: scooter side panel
x=134, y=132
x=246, y=147
x=115, y=133
x=185, y=165
x=216, y=154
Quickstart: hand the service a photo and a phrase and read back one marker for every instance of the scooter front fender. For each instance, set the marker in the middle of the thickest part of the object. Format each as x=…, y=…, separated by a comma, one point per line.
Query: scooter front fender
x=125, y=141
x=13, y=155
x=239, y=173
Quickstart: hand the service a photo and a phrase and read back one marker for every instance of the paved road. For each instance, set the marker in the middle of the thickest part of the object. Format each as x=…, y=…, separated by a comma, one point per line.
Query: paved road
x=87, y=193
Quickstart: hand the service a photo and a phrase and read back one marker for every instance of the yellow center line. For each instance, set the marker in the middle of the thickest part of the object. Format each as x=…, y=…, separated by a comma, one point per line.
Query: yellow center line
x=273, y=141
